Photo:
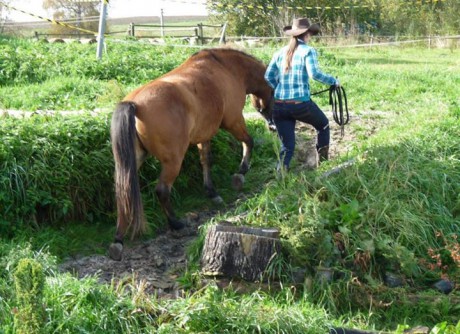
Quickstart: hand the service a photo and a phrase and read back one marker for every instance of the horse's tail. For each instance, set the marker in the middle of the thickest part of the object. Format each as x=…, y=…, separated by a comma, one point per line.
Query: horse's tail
x=127, y=189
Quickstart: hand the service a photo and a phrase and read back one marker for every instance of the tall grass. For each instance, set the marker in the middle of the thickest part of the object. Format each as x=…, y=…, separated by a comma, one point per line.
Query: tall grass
x=59, y=169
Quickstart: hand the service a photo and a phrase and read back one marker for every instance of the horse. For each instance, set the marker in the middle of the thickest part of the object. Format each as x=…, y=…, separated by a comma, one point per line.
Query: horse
x=163, y=118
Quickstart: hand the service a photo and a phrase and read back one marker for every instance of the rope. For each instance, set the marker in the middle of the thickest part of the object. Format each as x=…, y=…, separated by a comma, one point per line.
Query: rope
x=49, y=20
x=339, y=105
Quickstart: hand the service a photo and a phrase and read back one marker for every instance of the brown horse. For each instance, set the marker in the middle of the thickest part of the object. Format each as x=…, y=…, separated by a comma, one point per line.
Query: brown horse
x=164, y=117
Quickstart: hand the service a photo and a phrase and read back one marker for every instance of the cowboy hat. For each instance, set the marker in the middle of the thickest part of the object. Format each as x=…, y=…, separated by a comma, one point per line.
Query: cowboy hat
x=299, y=26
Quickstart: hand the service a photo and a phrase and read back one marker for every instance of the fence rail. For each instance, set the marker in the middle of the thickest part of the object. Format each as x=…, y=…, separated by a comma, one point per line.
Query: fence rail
x=359, y=40
x=202, y=34
x=199, y=33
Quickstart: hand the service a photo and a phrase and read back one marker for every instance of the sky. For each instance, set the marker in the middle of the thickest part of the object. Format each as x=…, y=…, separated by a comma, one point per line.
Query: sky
x=119, y=8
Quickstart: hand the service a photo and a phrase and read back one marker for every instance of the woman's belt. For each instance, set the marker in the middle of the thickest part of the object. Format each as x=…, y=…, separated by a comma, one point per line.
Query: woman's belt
x=289, y=101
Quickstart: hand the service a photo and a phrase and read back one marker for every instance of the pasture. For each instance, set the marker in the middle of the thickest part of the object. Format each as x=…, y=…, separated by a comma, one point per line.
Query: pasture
x=394, y=210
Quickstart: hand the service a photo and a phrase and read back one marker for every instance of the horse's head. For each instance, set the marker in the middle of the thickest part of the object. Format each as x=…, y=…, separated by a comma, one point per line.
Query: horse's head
x=264, y=105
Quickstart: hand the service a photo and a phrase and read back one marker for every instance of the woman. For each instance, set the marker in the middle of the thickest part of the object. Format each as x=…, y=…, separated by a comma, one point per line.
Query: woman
x=288, y=73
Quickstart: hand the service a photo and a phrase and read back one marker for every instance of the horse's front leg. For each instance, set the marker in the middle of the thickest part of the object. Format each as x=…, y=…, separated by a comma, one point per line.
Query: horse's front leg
x=240, y=133
x=169, y=172
x=205, y=158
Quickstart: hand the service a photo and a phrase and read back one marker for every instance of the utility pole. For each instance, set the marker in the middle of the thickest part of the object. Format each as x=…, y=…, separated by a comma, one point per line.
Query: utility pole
x=162, y=30
x=79, y=18
x=100, y=36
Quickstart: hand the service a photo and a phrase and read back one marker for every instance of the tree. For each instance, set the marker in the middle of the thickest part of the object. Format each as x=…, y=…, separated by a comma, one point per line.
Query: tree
x=268, y=17
x=83, y=13
x=449, y=18
x=4, y=11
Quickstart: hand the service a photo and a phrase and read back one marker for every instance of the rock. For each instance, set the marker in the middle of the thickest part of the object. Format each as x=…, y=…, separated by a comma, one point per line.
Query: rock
x=158, y=260
x=192, y=216
x=324, y=275
x=350, y=331
x=298, y=276
x=444, y=286
x=417, y=330
x=393, y=280
x=136, y=256
x=163, y=284
x=237, y=181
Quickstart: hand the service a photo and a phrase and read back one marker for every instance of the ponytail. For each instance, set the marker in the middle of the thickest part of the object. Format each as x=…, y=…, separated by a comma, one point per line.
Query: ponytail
x=293, y=43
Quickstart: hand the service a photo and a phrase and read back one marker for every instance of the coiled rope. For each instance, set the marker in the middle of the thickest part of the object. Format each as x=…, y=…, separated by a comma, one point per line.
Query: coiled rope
x=339, y=105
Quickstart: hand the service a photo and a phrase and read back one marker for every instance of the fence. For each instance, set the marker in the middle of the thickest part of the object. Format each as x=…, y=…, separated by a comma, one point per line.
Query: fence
x=78, y=35
x=355, y=40
x=200, y=33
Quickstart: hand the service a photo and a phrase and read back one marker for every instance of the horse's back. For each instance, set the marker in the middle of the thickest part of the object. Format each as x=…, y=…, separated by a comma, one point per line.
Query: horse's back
x=194, y=99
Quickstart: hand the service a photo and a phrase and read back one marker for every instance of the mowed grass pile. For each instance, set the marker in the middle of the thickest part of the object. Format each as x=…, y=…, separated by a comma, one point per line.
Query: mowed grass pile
x=395, y=210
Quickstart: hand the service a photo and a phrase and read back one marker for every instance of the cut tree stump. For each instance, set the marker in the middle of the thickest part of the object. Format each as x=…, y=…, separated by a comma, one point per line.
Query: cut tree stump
x=239, y=251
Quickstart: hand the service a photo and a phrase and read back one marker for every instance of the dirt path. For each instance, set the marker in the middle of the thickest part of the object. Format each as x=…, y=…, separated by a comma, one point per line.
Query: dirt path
x=157, y=263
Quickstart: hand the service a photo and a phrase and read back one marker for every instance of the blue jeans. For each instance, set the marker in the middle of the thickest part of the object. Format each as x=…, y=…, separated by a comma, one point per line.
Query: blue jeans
x=285, y=116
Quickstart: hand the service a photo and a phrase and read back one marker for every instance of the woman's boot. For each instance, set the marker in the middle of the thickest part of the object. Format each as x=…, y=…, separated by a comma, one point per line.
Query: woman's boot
x=323, y=154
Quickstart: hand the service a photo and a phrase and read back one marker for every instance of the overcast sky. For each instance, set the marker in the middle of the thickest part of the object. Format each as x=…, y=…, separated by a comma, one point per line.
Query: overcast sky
x=120, y=8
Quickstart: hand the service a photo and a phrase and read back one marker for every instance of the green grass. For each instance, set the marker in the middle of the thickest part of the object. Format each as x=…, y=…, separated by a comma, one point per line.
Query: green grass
x=397, y=208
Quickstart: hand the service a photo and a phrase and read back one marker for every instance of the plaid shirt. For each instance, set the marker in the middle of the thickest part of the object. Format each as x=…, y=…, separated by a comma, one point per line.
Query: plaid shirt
x=294, y=84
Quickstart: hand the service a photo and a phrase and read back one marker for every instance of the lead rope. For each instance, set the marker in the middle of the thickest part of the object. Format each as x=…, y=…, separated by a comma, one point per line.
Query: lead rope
x=339, y=105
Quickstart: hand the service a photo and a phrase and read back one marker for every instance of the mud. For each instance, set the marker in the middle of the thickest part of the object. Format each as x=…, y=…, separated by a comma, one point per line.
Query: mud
x=156, y=264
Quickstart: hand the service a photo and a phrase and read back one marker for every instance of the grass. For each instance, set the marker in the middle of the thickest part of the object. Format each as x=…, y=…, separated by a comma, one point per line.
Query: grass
x=395, y=210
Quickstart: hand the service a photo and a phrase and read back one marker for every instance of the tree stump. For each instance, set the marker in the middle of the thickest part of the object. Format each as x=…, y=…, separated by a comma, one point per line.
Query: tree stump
x=239, y=251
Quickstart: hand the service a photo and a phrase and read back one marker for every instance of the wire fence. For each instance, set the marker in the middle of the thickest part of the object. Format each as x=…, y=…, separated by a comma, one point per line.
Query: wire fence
x=207, y=34
x=356, y=40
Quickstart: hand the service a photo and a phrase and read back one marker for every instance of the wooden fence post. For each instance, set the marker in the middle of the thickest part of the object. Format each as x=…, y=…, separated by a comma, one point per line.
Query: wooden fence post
x=200, y=32
x=131, y=29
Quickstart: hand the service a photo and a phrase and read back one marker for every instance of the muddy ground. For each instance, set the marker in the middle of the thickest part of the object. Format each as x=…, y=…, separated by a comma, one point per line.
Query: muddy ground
x=155, y=265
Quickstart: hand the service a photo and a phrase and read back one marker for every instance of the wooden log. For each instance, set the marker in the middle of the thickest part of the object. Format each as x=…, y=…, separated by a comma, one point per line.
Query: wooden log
x=239, y=251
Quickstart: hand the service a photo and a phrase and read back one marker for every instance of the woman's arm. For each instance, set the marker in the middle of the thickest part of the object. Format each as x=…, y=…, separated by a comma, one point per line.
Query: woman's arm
x=315, y=73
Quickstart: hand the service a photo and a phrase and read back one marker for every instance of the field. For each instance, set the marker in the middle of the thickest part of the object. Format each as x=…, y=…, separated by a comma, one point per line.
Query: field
x=394, y=210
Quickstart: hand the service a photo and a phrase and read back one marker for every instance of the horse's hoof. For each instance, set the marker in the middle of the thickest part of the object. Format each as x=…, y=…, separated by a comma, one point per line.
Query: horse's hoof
x=237, y=181
x=217, y=199
x=176, y=224
x=116, y=251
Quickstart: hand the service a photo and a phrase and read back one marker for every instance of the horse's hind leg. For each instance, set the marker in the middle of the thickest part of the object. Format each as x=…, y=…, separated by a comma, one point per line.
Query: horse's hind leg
x=169, y=172
x=205, y=158
x=240, y=133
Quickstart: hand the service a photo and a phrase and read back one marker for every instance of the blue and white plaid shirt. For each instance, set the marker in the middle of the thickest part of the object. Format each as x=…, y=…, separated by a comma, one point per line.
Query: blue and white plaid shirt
x=294, y=85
